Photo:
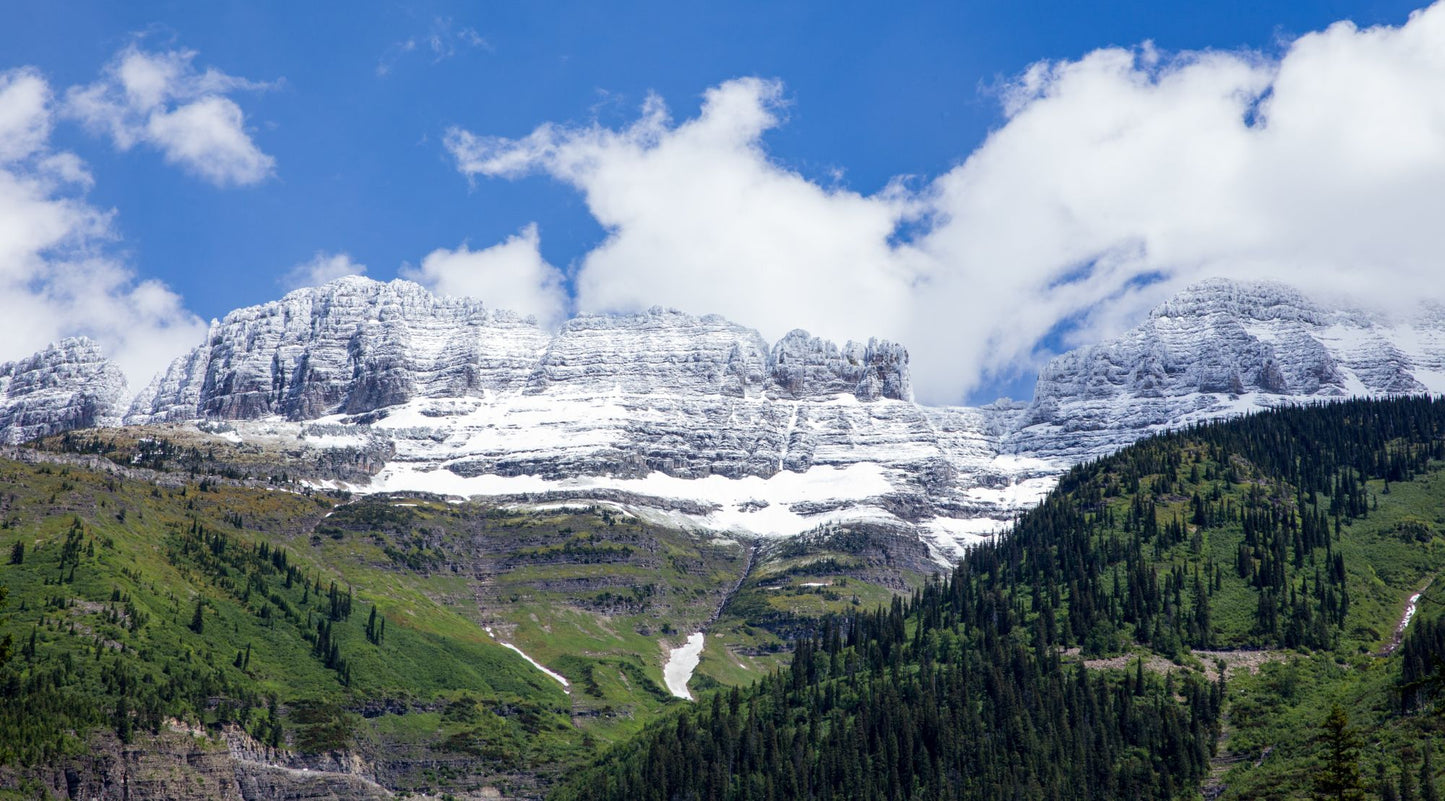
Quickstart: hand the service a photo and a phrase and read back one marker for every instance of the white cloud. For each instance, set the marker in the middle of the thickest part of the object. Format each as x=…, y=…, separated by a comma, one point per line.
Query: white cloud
x=442, y=42
x=1113, y=180
x=322, y=267
x=510, y=275
x=162, y=100
x=699, y=218
x=55, y=279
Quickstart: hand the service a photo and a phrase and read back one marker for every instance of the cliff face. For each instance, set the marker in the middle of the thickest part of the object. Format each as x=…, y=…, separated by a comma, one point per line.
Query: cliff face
x=351, y=346
x=66, y=386
x=182, y=765
x=357, y=345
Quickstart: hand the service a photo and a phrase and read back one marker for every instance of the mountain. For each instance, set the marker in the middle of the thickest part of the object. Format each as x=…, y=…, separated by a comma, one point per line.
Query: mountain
x=699, y=421
x=1222, y=348
x=68, y=385
x=695, y=416
x=191, y=598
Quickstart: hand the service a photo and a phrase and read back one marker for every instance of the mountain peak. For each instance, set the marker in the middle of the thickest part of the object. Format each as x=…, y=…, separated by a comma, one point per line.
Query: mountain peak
x=70, y=384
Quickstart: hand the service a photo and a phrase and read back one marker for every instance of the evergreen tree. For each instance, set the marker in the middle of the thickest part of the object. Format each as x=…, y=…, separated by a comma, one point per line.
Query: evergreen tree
x=1339, y=777
x=198, y=618
x=1428, y=791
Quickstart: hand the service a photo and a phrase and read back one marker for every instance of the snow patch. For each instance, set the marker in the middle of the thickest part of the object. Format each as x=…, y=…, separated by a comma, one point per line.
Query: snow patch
x=681, y=662
x=566, y=686
x=736, y=501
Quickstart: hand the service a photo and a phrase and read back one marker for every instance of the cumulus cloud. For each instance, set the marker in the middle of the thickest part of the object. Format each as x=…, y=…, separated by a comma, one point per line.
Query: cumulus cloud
x=55, y=277
x=162, y=100
x=322, y=267
x=510, y=275
x=1112, y=180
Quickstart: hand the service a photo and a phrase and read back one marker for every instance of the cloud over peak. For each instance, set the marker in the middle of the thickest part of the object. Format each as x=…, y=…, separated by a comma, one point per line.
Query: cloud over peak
x=322, y=268
x=55, y=277
x=510, y=275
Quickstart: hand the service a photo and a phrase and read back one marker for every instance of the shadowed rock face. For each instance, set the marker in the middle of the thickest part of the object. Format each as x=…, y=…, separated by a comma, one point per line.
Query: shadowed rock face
x=68, y=385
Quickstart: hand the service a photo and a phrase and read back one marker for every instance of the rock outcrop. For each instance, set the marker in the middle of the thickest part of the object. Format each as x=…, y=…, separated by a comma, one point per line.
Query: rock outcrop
x=353, y=345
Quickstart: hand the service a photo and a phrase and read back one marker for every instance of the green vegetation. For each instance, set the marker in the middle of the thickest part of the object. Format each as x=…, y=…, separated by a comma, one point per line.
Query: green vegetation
x=1082, y=656
x=139, y=609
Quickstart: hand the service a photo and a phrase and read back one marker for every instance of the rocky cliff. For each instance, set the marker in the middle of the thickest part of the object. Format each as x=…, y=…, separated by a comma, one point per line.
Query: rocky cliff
x=357, y=345
x=351, y=346
x=66, y=386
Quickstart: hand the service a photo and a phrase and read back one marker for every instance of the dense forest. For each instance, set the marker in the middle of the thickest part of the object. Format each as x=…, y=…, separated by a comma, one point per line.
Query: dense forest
x=1245, y=534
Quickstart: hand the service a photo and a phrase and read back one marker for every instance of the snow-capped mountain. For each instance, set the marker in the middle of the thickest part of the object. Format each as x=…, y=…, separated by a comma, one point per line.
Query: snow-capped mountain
x=698, y=414
x=698, y=419
x=66, y=386
x=1221, y=348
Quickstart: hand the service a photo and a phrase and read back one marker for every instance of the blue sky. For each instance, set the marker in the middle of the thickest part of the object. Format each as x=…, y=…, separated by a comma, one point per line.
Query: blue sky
x=356, y=112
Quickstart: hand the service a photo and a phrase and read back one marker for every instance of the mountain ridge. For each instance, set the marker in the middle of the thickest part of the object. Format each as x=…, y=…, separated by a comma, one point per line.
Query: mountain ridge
x=445, y=395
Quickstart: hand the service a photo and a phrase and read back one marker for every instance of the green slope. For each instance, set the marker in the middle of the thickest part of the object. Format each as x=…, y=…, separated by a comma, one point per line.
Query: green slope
x=133, y=605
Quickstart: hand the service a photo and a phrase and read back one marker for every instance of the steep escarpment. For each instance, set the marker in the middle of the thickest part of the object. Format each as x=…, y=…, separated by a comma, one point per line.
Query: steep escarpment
x=357, y=345
x=351, y=346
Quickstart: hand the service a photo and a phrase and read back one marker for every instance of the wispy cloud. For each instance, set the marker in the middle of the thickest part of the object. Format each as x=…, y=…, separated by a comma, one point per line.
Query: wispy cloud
x=162, y=100
x=322, y=268
x=1113, y=180
x=442, y=41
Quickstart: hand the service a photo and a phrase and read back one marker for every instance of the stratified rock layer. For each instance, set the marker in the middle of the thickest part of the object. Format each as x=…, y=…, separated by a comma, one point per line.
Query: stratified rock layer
x=68, y=385
x=701, y=415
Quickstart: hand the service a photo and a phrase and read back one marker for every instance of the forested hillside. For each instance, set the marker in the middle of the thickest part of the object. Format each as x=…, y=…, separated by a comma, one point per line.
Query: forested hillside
x=1291, y=538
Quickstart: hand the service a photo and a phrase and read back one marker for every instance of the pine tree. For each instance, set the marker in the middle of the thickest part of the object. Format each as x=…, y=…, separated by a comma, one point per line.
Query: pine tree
x=1428, y=791
x=1339, y=777
x=198, y=618
x=17, y=553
